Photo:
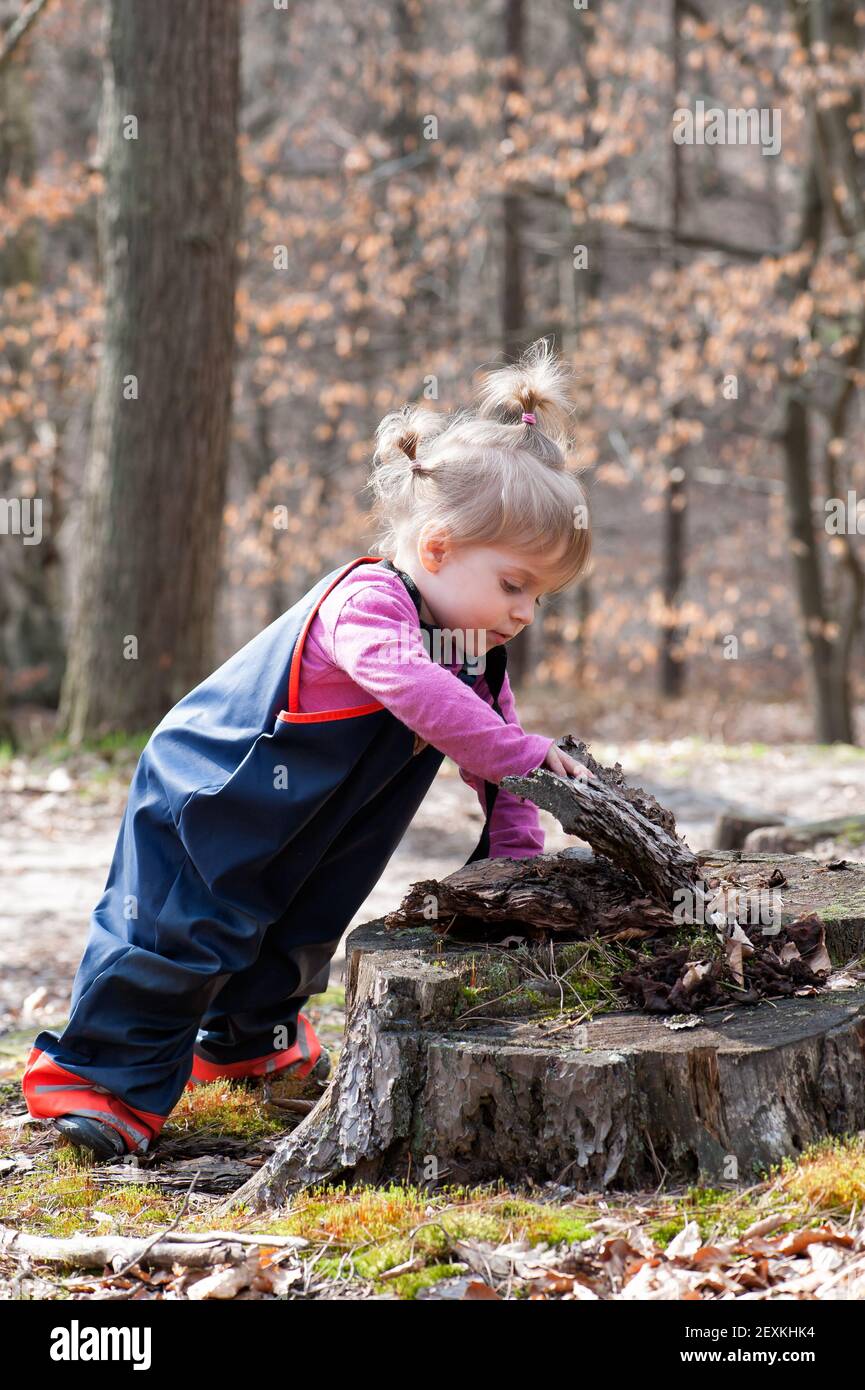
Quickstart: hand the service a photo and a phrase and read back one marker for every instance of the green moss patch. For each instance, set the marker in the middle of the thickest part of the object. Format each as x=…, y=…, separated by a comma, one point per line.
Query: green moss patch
x=520, y=982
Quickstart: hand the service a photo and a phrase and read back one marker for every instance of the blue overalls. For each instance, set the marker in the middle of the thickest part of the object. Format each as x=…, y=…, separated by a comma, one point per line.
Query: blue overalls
x=251, y=836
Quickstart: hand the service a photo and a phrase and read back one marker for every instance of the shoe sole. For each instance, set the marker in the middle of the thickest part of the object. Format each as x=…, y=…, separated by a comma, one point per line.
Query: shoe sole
x=96, y=1138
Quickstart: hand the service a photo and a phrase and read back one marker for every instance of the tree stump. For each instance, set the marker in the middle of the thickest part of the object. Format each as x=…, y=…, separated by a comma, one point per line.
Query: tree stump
x=432, y=1087
x=770, y=837
x=733, y=828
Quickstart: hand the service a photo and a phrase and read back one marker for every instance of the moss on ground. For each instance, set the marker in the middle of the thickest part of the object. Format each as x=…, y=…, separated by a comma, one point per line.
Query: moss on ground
x=827, y=1180
x=222, y=1107
x=61, y=1198
x=363, y=1233
x=384, y=1228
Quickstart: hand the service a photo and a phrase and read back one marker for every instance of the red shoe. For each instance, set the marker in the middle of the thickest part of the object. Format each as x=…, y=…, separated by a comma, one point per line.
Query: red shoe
x=86, y=1114
x=306, y=1057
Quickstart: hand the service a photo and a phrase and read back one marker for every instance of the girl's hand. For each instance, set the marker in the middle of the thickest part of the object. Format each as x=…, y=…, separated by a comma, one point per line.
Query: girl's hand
x=565, y=766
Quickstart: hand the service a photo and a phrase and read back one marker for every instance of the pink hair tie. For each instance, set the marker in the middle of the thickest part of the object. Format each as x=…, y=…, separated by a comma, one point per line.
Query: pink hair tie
x=528, y=418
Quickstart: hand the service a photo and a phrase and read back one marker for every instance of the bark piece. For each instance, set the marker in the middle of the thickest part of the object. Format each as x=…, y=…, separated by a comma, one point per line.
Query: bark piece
x=216, y=1175
x=564, y=893
x=625, y=824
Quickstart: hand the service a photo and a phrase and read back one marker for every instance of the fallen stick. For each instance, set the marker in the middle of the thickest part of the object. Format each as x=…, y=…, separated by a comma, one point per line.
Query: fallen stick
x=193, y=1251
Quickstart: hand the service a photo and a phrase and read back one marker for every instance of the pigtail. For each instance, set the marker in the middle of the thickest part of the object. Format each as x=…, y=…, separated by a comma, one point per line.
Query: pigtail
x=402, y=436
x=539, y=384
x=401, y=441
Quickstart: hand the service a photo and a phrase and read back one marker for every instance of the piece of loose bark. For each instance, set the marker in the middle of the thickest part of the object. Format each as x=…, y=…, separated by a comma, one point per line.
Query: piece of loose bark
x=625, y=824
x=548, y=895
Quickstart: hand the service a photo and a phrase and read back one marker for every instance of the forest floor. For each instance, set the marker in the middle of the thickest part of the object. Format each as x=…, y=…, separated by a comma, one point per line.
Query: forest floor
x=798, y=1231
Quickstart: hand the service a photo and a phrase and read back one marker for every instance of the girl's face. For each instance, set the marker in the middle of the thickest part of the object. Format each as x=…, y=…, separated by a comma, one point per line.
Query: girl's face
x=489, y=592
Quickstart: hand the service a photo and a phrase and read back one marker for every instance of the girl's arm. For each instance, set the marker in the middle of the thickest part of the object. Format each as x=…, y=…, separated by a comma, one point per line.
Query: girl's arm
x=515, y=828
x=376, y=639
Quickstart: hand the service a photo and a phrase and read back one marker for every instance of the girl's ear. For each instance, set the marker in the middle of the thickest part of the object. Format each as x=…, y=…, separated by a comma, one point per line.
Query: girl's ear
x=433, y=545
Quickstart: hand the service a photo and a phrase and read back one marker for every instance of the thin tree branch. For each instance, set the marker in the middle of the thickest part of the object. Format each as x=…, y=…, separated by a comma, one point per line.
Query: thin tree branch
x=19, y=27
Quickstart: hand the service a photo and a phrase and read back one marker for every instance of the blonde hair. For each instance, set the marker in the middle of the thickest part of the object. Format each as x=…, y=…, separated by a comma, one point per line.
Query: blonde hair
x=484, y=475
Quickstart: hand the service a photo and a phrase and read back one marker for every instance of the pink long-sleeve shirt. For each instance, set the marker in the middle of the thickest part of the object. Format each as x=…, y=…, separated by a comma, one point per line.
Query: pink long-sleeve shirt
x=365, y=642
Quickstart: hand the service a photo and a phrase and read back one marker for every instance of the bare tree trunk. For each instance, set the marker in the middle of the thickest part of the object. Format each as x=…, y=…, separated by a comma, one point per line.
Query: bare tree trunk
x=827, y=646
x=829, y=696
x=580, y=288
x=849, y=599
x=31, y=639
x=670, y=664
x=835, y=127
x=513, y=305
x=403, y=132
x=155, y=482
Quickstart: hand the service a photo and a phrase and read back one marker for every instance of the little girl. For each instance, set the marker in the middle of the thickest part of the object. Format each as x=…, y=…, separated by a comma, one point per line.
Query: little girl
x=269, y=800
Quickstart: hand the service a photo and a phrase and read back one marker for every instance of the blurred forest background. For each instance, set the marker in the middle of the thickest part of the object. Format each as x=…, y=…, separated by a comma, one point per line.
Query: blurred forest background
x=234, y=235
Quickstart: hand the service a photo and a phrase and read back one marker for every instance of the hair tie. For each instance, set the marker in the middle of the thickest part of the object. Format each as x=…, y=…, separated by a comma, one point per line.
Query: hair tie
x=529, y=418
